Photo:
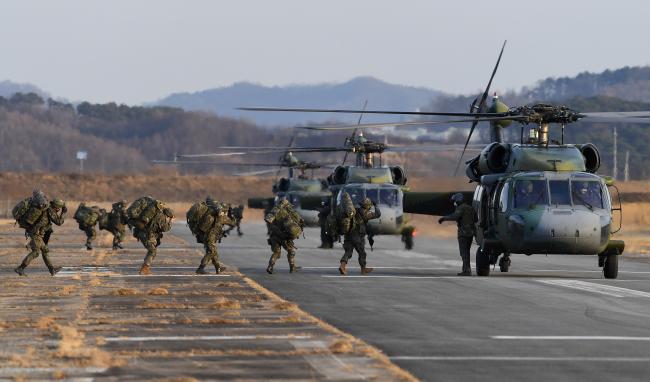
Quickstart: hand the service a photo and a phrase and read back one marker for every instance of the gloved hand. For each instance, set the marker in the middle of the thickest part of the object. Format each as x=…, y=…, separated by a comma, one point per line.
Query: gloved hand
x=64, y=209
x=440, y=220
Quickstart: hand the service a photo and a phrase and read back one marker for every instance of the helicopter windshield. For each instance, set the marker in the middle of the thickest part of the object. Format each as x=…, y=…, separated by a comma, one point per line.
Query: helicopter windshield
x=529, y=193
x=357, y=194
x=560, y=192
x=587, y=193
x=388, y=196
x=294, y=200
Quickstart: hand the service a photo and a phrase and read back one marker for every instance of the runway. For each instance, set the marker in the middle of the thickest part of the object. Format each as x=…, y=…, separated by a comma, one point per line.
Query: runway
x=549, y=318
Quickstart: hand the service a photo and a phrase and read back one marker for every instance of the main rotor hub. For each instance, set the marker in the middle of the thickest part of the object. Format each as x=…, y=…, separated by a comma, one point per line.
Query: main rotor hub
x=542, y=114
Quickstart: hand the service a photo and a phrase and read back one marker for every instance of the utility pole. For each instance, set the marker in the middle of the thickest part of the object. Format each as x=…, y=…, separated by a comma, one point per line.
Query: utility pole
x=615, y=163
x=626, y=171
x=82, y=156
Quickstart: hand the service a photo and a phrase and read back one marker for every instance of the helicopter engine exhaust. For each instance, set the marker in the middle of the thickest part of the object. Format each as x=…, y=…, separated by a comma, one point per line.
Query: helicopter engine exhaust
x=399, y=175
x=340, y=175
x=591, y=155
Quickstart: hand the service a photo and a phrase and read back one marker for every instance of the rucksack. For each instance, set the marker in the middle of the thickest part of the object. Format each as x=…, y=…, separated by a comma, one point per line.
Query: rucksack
x=104, y=219
x=194, y=216
x=345, y=214
x=143, y=211
x=27, y=213
x=87, y=216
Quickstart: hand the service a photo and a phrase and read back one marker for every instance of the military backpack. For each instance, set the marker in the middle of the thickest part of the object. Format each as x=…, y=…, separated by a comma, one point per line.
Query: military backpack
x=143, y=210
x=27, y=213
x=345, y=214
x=104, y=219
x=86, y=216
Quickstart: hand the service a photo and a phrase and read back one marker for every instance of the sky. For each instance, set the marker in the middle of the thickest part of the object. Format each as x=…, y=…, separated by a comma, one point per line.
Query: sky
x=139, y=51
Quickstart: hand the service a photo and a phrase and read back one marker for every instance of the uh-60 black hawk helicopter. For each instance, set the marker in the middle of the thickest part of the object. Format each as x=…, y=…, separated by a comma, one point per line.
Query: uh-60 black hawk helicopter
x=537, y=196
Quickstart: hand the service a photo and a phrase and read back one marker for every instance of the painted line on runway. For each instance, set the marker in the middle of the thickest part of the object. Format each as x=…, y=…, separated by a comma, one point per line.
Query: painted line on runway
x=206, y=338
x=572, y=338
x=13, y=371
x=519, y=359
x=606, y=290
x=589, y=271
x=399, y=277
x=408, y=268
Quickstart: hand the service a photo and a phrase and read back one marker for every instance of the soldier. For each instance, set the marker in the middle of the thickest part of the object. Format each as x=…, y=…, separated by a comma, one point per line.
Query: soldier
x=326, y=239
x=284, y=225
x=39, y=235
x=151, y=235
x=117, y=219
x=222, y=215
x=355, y=238
x=87, y=218
x=237, y=214
x=465, y=217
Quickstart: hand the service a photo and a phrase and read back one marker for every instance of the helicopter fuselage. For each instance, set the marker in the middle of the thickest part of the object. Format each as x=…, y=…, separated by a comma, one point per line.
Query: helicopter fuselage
x=543, y=212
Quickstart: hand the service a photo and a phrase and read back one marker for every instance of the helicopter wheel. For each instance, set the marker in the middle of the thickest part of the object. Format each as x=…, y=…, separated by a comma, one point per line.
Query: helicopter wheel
x=482, y=262
x=610, y=270
x=504, y=262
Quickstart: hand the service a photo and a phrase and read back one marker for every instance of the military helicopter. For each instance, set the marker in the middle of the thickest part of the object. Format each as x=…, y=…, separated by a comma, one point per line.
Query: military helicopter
x=538, y=196
x=294, y=187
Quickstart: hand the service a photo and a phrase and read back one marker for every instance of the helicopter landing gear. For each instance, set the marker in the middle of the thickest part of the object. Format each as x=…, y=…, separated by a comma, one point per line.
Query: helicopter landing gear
x=482, y=262
x=504, y=262
x=610, y=264
x=408, y=233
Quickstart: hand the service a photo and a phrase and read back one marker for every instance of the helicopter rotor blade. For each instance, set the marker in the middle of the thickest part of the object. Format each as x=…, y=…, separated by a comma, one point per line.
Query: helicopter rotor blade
x=400, y=124
x=354, y=111
x=480, y=108
x=617, y=117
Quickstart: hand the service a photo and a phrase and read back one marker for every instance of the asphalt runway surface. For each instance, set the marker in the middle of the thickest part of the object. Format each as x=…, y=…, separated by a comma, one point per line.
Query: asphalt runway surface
x=99, y=320
x=549, y=318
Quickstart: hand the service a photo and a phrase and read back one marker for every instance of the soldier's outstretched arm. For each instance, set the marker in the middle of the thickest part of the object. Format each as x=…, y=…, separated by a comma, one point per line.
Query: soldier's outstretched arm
x=454, y=216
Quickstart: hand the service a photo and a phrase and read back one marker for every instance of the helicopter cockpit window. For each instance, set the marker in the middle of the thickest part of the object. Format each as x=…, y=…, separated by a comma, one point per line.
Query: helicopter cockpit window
x=294, y=200
x=388, y=197
x=357, y=194
x=560, y=192
x=587, y=193
x=530, y=193
x=372, y=194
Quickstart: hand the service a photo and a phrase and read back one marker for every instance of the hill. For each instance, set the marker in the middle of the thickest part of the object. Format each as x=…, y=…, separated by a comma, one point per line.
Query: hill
x=351, y=94
x=9, y=88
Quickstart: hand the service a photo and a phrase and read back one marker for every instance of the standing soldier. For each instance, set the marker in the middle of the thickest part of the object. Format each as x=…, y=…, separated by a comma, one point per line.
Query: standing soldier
x=117, y=223
x=465, y=217
x=217, y=216
x=39, y=230
x=237, y=216
x=355, y=237
x=285, y=225
x=326, y=240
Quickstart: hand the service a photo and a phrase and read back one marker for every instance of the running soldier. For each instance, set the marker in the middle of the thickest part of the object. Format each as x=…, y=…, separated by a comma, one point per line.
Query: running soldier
x=117, y=219
x=149, y=219
x=87, y=218
x=207, y=221
x=36, y=216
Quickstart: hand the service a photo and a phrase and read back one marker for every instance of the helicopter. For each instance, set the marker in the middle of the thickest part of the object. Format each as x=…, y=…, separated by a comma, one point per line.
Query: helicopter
x=536, y=196
x=293, y=187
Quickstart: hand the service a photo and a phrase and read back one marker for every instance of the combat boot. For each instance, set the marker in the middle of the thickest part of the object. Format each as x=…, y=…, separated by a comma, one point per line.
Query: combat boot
x=201, y=270
x=55, y=270
x=89, y=247
x=145, y=270
x=293, y=268
x=219, y=268
x=20, y=270
x=269, y=269
x=366, y=270
x=465, y=273
x=343, y=268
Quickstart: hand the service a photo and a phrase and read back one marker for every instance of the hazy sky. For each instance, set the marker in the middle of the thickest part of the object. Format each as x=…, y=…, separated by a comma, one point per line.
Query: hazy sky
x=137, y=51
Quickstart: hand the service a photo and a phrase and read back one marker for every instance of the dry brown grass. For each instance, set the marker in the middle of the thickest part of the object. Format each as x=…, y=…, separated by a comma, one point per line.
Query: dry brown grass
x=341, y=347
x=95, y=282
x=225, y=303
x=285, y=305
x=59, y=375
x=224, y=321
x=158, y=291
x=125, y=292
x=45, y=322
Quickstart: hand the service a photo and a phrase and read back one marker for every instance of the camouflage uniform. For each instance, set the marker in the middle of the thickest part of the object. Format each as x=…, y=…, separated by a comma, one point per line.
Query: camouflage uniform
x=237, y=216
x=117, y=219
x=91, y=234
x=326, y=240
x=213, y=236
x=279, y=239
x=465, y=216
x=355, y=239
x=151, y=235
x=39, y=236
